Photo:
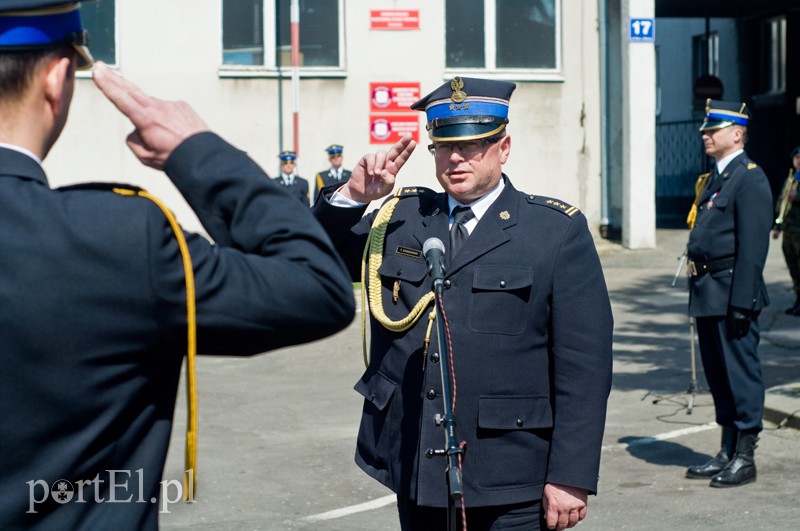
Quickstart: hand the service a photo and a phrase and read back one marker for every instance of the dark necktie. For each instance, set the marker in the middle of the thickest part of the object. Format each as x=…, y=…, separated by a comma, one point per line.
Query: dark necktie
x=458, y=232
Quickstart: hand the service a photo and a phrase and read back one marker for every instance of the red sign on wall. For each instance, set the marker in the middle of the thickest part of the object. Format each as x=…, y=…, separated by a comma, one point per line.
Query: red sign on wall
x=392, y=97
x=394, y=19
x=389, y=128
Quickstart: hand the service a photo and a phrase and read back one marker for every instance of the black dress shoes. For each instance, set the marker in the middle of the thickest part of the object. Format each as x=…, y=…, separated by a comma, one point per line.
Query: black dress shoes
x=718, y=463
x=742, y=468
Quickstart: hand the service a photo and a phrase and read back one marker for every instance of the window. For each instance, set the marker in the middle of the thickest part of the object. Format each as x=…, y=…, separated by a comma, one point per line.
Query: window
x=773, y=56
x=705, y=55
x=257, y=33
x=502, y=34
x=99, y=18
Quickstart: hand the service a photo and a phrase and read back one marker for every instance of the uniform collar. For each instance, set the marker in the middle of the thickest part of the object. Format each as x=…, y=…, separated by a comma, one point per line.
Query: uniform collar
x=31, y=154
x=18, y=162
x=724, y=161
x=479, y=206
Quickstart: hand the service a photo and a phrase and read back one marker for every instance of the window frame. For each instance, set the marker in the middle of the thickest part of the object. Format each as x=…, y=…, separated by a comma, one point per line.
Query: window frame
x=490, y=70
x=270, y=68
x=775, y=41
x=87, y=74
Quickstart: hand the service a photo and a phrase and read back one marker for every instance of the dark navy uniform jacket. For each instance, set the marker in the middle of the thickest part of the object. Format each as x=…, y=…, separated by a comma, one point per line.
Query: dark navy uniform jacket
x=734, y=218
x=327, y=178
x=531, y=328
x=94, y=328
x=298, y=188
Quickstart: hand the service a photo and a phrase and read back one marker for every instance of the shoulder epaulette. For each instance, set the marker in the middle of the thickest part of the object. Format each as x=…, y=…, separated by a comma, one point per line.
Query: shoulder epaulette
x=110, y=187
x=555, y=204
x=414, y=190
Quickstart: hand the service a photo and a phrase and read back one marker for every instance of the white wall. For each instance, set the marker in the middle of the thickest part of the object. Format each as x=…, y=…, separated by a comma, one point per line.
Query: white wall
x=172, y=49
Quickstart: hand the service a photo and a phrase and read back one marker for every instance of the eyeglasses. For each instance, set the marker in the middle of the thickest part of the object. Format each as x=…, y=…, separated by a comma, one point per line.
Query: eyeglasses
x=467, y=148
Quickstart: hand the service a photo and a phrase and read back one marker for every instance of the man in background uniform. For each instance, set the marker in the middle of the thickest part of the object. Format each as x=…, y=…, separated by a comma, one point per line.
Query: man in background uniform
x=335, y=174
x=727, y=250
x=100, y=292
x=529, y=318
x=787, y=221
x=296, y=185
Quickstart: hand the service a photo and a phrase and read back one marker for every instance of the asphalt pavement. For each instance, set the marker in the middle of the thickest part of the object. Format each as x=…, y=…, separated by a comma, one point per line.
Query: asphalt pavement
x=277, y=431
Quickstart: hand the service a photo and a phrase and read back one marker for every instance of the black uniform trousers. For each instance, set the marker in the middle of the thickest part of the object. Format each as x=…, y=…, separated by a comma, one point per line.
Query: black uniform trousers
x=733, y=372
x=525, y=516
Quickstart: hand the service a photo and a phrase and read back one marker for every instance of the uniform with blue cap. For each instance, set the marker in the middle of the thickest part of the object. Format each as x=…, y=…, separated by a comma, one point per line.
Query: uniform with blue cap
x=42, y=24
x=294, y=184
x=336, y=174
x=727, y=250
x=529, y=319
x=102, y=294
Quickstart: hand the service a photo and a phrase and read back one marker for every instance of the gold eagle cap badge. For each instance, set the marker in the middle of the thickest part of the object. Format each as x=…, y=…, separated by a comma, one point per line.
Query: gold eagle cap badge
x=458, y=95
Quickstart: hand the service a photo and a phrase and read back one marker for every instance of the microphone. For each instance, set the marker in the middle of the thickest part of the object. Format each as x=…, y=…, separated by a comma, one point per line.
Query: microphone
x=433, y=249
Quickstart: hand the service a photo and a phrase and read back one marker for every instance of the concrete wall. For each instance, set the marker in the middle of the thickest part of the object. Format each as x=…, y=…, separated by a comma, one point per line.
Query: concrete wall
x=173, y=50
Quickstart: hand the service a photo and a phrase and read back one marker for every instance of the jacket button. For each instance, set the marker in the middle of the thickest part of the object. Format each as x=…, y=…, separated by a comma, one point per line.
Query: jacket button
x=502, y=283
x=431, y=394
x=520, y=422
x=446, y=284
x=435, y=357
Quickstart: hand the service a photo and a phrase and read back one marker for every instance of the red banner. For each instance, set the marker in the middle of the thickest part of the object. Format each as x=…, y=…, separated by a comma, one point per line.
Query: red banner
x=389, y=128
x=392, y=97
x=394, y=19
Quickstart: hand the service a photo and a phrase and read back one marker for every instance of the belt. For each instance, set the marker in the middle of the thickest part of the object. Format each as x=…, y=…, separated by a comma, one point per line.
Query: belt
x=701, y=268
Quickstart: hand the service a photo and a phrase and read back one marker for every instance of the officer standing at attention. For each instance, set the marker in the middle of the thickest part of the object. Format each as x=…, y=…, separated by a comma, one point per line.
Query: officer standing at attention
x=102, y=294
x=727, y=250
x=787, y=221
x=296, y=185
x=335, y=174
x=529, y=319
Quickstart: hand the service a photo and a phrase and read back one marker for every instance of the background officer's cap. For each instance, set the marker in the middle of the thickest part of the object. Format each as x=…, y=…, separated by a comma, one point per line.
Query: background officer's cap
x=721, y=114
x=41, y=24
x=466, y=109
x=288, y=156
x=334, y=149
x=795, y=151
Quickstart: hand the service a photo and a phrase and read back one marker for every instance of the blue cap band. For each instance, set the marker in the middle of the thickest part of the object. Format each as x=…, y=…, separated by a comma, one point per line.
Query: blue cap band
x=448, y=109
x=728, y=117
x=39, y=30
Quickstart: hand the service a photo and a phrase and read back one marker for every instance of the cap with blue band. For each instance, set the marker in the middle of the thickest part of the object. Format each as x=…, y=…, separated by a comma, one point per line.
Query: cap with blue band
x=721, y=114
x=38, y=24
x=466, y=109
x=334, y=149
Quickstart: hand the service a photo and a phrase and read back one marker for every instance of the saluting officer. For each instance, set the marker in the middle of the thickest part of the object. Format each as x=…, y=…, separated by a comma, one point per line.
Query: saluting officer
x=529, y=318
x=727, y=250
x=296, y=185
x=101, y=291
x=333, y=175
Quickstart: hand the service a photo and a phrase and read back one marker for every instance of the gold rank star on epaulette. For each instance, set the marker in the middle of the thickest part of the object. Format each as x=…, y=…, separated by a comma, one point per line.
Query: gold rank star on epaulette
x=752, y=166
x=413, y=190
x=555, y=204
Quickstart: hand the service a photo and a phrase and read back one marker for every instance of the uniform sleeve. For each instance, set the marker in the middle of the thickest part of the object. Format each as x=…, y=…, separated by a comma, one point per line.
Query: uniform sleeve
x=753, y=219
x=582, y=327
x=272, y=278
x=346, y=227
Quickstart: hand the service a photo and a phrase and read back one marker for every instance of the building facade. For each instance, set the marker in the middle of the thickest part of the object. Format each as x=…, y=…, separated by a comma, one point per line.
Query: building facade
x=231, y=60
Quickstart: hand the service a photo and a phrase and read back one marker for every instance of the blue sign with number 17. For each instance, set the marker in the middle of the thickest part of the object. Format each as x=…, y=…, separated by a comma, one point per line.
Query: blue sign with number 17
x=643, y=29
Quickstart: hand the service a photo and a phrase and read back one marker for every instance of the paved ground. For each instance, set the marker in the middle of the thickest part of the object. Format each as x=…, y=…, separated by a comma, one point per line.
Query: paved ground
x=277, y=431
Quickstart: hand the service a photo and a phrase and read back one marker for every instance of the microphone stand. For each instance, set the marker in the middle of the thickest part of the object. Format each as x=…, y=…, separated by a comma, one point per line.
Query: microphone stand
x=452, y=451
